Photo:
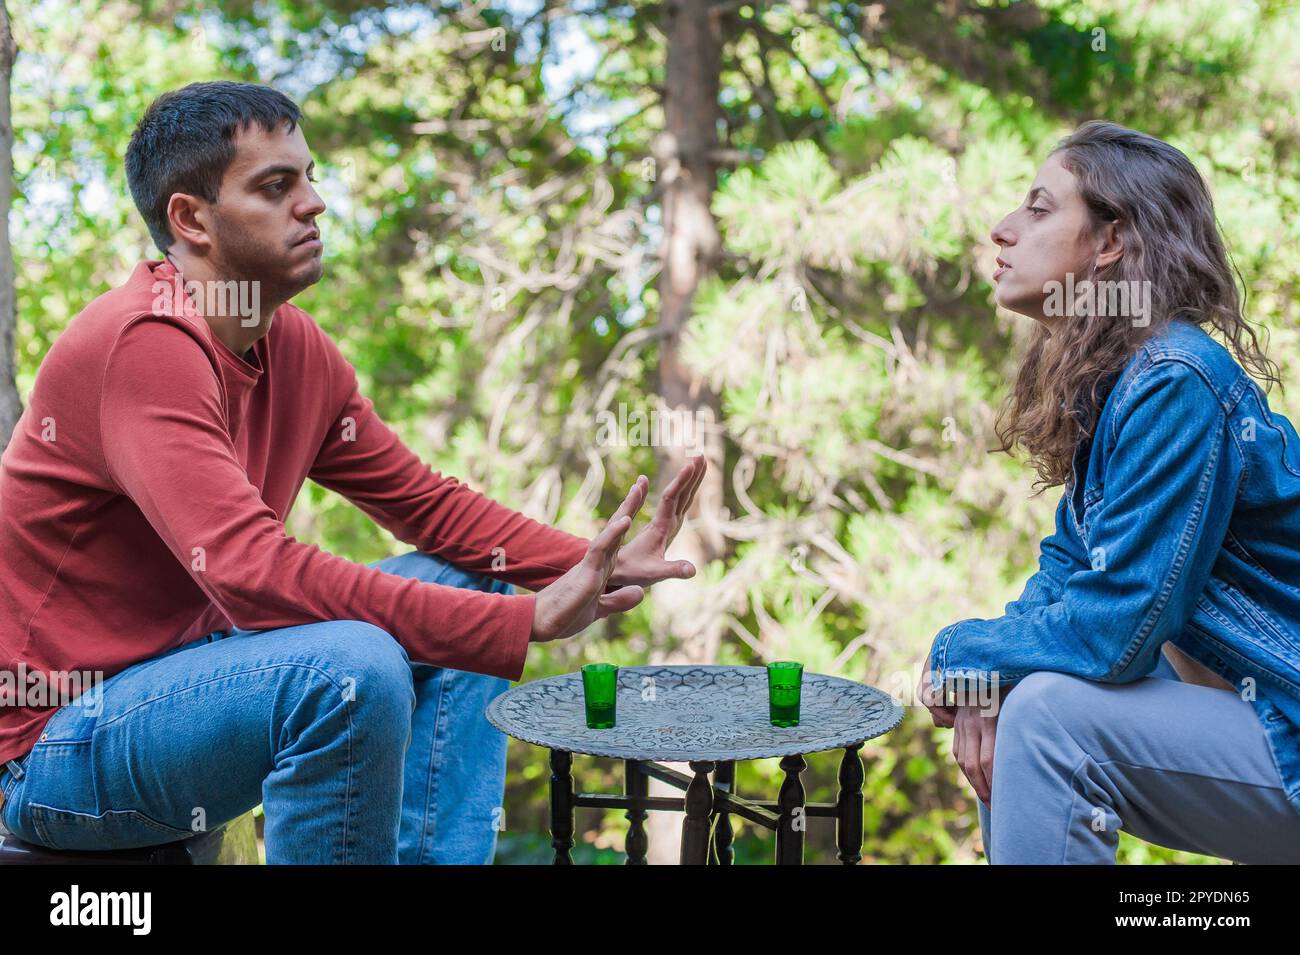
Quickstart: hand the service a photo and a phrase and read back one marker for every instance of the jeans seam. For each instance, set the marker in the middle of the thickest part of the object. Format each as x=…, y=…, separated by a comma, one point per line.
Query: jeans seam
x=40, y=810
x=5, y=777
x=1069, y=816
x=1087, y=758
x=435, y=745
x=215, y=679
x=1184, y=772
x=347, y=789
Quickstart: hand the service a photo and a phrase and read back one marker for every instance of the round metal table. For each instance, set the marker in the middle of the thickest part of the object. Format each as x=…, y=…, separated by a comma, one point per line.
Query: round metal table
x=709, y=717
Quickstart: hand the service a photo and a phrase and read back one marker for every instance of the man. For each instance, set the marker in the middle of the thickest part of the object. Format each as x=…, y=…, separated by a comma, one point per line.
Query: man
x=142, y=501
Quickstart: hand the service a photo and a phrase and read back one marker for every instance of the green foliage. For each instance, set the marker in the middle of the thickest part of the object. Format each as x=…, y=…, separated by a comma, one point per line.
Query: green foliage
x=492, y=240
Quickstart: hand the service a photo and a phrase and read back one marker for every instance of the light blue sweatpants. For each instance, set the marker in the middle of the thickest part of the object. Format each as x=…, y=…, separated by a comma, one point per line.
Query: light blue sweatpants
x=1173, y=763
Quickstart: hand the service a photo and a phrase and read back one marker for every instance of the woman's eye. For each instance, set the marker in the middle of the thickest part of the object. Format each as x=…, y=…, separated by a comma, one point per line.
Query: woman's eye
x=1037, y=211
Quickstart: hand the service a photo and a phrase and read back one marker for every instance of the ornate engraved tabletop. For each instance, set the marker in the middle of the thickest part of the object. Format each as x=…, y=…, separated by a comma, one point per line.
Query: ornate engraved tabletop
x=695, y=714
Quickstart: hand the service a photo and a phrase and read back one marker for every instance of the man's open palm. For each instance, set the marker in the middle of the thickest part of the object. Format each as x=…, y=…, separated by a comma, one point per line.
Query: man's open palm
x=642, y=560
x=578, y=598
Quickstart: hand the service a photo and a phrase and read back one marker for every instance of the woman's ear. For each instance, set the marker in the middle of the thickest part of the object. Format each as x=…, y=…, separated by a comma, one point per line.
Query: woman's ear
x=1112, y=246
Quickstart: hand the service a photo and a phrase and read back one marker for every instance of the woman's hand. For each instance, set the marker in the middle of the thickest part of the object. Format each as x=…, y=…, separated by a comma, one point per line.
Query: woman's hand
x=972, y=747
x=973, y=738
x=943, y=716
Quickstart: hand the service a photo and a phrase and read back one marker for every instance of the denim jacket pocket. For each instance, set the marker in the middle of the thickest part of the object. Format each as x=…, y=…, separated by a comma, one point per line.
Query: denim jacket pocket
x=1266, y=623
x=114, y=829
x=1260, y=638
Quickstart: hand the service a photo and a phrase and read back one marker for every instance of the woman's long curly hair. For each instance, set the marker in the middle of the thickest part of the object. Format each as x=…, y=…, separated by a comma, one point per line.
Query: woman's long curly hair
x=1165, y=217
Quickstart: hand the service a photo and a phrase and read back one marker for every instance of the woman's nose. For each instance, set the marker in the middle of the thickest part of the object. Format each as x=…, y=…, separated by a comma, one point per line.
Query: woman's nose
x=1001, y=234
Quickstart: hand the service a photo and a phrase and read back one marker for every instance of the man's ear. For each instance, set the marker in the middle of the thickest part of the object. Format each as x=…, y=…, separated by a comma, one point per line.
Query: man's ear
x=189, y=218
x=1112, y=246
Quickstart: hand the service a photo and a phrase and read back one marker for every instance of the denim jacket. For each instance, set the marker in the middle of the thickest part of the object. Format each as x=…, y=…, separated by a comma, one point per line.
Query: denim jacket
x=1185, y=528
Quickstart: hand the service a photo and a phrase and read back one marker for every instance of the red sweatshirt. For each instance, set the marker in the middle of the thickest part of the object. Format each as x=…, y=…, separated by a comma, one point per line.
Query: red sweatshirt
x=144, y=492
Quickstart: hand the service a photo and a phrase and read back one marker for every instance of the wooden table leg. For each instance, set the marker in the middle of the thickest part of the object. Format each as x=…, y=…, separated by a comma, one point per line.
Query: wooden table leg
x=562, y=806
x=790, y=828
x=699, y=812
x=848, y=811
x=636, y=785
x=721, y=852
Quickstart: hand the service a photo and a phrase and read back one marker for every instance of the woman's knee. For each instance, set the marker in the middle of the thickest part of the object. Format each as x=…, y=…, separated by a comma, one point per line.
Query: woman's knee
x=1044, y=697
x=1048, y=708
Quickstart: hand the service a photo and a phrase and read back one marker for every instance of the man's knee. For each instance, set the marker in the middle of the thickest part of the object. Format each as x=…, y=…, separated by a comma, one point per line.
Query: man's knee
x=421, y=565
x=362, y=660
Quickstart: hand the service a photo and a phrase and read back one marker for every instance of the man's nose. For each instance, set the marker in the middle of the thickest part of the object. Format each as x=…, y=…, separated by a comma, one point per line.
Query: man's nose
x=314, y=205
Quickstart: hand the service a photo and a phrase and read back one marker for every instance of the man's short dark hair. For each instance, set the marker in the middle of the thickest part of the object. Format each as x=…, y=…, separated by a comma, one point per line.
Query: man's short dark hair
x=185, y=143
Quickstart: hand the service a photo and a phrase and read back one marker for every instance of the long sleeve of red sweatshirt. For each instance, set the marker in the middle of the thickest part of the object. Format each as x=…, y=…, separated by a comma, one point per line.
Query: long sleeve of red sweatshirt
x=144, y=493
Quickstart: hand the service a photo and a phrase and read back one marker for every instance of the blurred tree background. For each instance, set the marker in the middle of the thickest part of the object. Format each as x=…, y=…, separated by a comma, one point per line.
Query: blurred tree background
x=770, y=218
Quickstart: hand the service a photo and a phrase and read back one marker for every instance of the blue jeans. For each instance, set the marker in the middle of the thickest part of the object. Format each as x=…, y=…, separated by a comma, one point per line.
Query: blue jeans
x=1173, y=763
x=357, y=754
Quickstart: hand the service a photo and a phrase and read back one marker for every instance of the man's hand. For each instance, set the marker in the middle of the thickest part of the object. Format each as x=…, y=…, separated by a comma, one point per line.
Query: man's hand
x=642, y=560
x=578, y=598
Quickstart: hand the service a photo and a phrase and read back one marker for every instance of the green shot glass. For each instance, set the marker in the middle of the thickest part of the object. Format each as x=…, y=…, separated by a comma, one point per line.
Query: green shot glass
x=784, y=680
x=600, y=692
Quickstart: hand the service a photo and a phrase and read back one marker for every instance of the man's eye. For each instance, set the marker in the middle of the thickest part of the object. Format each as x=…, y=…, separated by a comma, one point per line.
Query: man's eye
x=311, y=178
x=276, y=187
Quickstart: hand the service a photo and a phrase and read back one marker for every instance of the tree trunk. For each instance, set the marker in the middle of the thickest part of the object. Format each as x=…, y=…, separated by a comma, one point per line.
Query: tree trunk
x=684, y=159
x=10, y=404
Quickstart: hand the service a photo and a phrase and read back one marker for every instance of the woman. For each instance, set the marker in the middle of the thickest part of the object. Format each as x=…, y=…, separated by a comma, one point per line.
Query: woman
x=1178, y=532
